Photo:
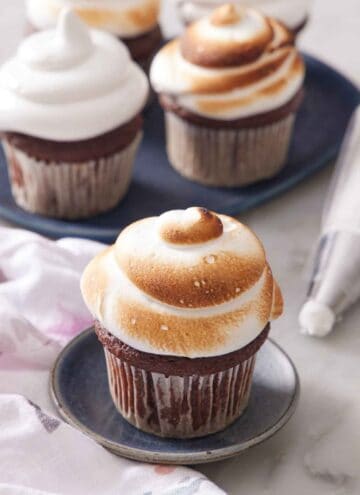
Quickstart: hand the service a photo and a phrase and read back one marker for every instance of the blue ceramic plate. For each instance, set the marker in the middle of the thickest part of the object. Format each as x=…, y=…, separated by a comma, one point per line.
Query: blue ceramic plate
x=329, y=102
x=80, y=391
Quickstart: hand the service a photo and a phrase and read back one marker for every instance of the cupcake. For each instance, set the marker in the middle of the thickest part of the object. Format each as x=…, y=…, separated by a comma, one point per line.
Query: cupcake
x=182, y=304
x=292, y=13
x=230, y=88
x=70, y=103
x=134, y=22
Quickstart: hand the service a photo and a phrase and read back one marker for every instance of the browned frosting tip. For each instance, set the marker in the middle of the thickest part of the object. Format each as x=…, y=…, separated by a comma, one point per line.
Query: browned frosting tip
x=192, y=226
x=225, y=15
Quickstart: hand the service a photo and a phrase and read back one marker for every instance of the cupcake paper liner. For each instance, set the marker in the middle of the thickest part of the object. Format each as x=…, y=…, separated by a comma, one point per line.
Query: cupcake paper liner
x=69, y=190
x=227, y=157
x=179, y=406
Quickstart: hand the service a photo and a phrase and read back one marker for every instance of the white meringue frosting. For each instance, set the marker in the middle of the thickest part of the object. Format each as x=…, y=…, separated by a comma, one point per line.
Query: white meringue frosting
x=292, y=13
x=232, y=64
x=70, y=84
x=123, y=18
x=188, y=283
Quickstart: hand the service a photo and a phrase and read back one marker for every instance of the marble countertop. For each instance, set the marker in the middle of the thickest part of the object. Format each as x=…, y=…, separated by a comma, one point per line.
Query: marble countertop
x=318, y=452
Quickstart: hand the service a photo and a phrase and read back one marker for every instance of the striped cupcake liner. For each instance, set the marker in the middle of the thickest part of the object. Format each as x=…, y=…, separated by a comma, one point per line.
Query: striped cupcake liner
x=179, y=406
x=69, y=190
x=227, y=157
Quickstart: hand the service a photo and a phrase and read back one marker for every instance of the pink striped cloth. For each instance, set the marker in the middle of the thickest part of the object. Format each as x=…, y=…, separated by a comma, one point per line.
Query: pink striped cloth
x=40, y=310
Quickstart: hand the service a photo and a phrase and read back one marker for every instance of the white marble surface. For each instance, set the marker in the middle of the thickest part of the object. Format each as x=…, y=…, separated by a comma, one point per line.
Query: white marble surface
x=318, y=452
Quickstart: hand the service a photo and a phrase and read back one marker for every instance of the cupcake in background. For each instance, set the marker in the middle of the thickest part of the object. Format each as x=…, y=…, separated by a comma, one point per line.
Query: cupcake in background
x=70, y=103
x=292, y=13
x=134, y=22
x=230, y=87
x=182, y=304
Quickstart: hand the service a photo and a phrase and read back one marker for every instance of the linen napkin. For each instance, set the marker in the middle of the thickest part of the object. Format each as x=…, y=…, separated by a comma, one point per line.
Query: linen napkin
x=40, y=310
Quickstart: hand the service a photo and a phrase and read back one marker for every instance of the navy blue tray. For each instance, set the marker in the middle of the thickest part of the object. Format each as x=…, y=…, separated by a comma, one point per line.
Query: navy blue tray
x=329, y=101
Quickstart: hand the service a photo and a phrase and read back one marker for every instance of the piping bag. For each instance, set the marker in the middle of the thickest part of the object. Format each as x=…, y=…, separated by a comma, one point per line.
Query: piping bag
x=335, y=282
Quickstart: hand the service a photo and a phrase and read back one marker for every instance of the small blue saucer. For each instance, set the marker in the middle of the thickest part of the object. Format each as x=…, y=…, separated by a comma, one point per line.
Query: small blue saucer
x=80, y=391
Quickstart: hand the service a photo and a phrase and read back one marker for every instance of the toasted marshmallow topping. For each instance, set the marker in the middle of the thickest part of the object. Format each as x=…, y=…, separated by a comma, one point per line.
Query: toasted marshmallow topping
x=188, y=227
x=70, y=84
x=124, y=18
x=227, y=14
x=235, y=63
x=188, y=283
x=229, y=37
x=292, y=13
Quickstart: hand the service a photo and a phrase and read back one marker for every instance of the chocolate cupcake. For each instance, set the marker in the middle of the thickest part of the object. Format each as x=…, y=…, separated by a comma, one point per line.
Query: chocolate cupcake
x=230, y=88
x=70, y=103
x=134, y=22
x=182, y=304
x=292, y=13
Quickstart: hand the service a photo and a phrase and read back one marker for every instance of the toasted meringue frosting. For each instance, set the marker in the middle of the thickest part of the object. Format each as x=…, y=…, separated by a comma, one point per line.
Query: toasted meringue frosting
x=232, y=64
x=69, y=84
x=292, y=13
x=124, y=18
x=187, y=283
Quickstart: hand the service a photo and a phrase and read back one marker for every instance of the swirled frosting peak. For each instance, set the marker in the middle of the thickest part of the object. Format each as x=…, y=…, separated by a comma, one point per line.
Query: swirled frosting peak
x=231, y=64
x=71, y=44
x=191, y=226
x=70, y=83
x=229, y=36
x=188, y=283
x=225, y=15
x=292, y=13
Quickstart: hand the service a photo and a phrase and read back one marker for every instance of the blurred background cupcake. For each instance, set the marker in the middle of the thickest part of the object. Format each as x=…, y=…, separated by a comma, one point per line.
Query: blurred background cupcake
x=292, y=13
x=230, y=87
x=135, y=22
x=70, y=103
x=182, y=304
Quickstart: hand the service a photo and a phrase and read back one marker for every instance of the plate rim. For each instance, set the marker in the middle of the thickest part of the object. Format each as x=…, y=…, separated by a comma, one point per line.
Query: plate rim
x=59, y=228
x=142, y=455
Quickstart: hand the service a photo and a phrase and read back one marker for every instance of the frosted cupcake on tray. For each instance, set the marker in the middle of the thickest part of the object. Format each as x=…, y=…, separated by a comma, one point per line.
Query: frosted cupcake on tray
x=230, y=87
x=134, y=22
x=182, y=303
x=70, y=104
x=292, y=13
